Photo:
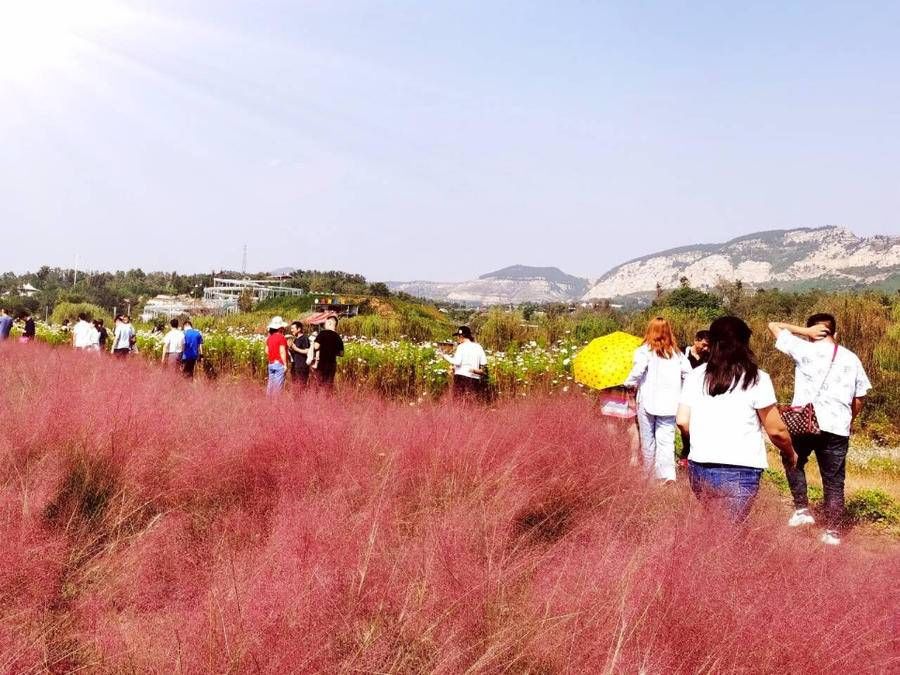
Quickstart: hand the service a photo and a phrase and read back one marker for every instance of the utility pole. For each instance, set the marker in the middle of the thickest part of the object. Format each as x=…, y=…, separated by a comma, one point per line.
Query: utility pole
x=244, y=262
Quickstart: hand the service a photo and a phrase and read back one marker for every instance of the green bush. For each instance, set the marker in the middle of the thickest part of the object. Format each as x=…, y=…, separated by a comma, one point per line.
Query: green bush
x=71, y=310
x=873, y=506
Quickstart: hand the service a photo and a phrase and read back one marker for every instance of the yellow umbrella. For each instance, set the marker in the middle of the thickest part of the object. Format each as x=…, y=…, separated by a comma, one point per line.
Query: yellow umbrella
x=606, y=361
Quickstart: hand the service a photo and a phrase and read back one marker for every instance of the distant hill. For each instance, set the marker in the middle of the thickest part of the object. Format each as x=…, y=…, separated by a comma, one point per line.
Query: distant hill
x=825, y=257
x=511, y=285
x=829, y=257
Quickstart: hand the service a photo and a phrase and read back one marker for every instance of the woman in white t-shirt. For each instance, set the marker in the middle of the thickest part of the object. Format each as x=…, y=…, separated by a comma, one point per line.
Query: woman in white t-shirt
x=659, y=368
x=725, y=405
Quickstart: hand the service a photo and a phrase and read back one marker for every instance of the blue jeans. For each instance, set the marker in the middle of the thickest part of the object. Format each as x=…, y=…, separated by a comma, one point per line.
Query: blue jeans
x=733, y=487
x=276, y=378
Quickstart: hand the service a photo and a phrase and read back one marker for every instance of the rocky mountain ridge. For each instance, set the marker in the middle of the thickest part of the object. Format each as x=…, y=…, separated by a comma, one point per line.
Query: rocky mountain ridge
x=830, y=257
x=826, y=256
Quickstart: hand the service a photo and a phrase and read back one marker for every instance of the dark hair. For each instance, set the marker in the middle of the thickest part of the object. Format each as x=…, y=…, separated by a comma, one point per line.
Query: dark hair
x=299, y=324
x=731, y=361
x=174, y=323
x=702, y=335
x=82, y=316
x=826, y=320
x=272, y=331
x=98, y=322
x=466, y=332
x=187, y=322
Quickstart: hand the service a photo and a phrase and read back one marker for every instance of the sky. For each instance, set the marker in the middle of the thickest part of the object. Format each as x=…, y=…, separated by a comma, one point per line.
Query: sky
x=436, y=140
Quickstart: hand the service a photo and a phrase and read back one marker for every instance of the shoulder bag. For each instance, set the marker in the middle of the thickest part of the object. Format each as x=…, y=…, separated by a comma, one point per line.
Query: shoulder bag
x=801, y=419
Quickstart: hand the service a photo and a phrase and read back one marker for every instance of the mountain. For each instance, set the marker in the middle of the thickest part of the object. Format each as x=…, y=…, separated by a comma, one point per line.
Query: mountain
x=511, y=285
x=824, y=257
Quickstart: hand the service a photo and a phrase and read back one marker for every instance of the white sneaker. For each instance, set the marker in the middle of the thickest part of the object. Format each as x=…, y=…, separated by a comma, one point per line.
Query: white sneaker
x=801, y=517
x=830, y=537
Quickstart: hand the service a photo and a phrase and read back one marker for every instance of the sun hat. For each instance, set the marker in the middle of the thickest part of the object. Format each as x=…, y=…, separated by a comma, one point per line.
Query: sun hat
x=276, y=323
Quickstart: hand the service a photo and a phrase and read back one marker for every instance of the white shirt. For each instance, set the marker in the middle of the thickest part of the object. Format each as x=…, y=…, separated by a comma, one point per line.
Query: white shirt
x=468, y=356
x=658, y=380
x=122, y=338
x=84, y=335
x=725, y=429
x=839, y=386
x=173, y=342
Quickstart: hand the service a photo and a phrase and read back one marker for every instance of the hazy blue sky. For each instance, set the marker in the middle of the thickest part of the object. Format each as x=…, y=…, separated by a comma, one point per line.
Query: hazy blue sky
x=437, y=140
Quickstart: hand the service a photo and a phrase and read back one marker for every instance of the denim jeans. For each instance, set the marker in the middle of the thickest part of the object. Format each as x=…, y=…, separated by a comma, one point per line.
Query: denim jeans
x=831, y=454
x=733, y=487
x=276, y=378
x=657, y=444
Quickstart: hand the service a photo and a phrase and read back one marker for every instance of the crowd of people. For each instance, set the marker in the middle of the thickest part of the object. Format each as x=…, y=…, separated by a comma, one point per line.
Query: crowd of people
x=713, y=392
x=302, y=354
x=722, y=402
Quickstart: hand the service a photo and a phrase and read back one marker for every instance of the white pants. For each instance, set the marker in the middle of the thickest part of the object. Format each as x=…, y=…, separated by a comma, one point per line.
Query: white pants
x=657, y=444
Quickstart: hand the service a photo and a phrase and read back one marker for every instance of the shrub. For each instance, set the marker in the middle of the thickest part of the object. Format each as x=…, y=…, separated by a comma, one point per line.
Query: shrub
x=870, y=505
x=71, y=310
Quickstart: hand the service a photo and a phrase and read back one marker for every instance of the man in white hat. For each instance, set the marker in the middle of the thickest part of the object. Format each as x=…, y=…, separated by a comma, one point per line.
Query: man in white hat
x=277, y=350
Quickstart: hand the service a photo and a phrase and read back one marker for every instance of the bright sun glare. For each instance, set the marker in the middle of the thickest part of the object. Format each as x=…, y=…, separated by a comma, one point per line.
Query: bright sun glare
x=40, y=35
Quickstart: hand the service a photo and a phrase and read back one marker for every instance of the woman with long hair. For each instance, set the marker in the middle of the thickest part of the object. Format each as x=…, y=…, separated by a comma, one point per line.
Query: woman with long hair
x=659, y=368
x=725, y=405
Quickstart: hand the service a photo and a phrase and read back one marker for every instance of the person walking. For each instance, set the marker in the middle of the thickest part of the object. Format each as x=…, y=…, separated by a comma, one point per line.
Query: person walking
x=192, y=350
x=468, y=361
x=328, y=347
x=123, y=335
x=299, y=353
x=277, y=351
x=658, y=370
x=725, y=405
x=6, y=324
x=102, y=334
x=173, y=345
x=696, y=354
x=84, y=335
x=29, y=332
x=831, y=378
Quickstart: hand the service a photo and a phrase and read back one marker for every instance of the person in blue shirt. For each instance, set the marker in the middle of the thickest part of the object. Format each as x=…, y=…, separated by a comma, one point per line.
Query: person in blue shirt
x=6, y=324
x=193, y=349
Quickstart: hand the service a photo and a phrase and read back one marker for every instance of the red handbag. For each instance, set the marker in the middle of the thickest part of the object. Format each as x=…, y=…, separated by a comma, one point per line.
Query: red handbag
x=801, y=420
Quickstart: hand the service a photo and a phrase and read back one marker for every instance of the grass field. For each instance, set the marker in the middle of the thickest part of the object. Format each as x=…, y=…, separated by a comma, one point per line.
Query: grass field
x=157, y=525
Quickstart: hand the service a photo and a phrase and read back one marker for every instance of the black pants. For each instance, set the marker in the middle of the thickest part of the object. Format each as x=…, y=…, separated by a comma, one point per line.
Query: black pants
x=831, y=454
x=466, y=386
x=300, y=376
x=187, y=366
x=326, y=375
x=123, y=352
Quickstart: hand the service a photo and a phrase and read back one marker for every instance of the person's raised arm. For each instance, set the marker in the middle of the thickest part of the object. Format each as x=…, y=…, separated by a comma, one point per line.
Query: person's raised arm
x=816, y=332
x=777, y=432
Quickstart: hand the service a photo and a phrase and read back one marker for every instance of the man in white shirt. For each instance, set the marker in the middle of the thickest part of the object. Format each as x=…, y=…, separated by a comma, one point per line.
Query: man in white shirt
x=833, y=380
x=469, y=361
x=173, y=345
x=84, y=335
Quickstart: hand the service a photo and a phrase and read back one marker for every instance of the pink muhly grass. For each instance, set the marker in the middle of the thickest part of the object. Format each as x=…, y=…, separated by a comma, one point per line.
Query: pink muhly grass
x=155, y=524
